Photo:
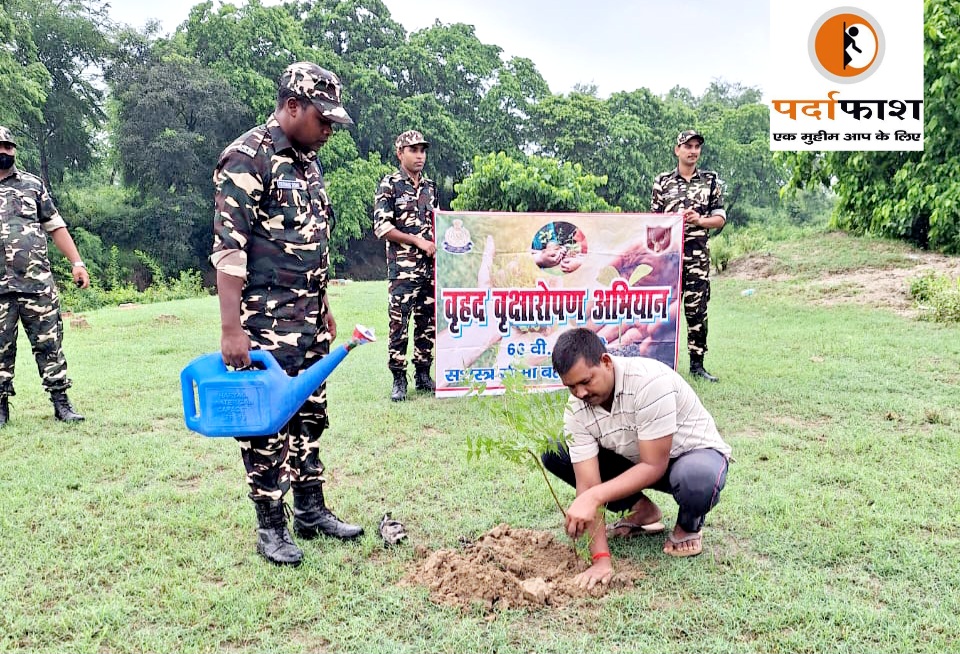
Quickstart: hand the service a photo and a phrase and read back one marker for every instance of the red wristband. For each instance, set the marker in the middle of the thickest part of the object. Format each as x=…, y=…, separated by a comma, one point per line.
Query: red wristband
x=601, y=555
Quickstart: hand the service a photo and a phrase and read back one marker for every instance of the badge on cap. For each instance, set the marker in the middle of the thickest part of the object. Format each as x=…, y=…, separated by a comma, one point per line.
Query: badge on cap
x=685, y=136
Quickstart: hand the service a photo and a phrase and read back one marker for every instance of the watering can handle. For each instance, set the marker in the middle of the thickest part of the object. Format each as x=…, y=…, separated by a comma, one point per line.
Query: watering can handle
x=266, y=358
x=189, y=403
x=187, y=381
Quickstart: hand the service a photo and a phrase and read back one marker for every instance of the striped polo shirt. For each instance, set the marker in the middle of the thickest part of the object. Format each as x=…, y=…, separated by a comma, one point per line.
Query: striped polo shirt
x=650, y=401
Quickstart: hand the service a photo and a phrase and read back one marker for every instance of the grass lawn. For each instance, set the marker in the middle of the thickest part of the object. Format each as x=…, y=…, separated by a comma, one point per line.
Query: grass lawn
x=838, y=531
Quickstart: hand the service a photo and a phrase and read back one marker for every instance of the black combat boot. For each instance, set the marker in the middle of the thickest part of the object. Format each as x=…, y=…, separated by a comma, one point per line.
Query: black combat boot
x=311, y=517
x=4, y=410
x=62, y=409
x=399, y=393
x=273, y=540
x=697, y=369
x=422, y=380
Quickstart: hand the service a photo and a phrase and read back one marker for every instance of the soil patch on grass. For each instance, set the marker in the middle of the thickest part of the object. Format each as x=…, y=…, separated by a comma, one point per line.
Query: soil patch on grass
x=509, y=568
x=887, y=288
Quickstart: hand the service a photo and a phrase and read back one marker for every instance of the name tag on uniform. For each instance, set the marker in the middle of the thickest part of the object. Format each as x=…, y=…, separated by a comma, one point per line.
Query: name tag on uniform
x=291, y=184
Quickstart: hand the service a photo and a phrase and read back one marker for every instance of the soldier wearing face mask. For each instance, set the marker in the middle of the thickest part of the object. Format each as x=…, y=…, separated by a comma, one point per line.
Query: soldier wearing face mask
x=28, y=294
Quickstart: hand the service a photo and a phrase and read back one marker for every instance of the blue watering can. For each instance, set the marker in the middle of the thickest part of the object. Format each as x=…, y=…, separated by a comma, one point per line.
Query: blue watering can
x=256, y=402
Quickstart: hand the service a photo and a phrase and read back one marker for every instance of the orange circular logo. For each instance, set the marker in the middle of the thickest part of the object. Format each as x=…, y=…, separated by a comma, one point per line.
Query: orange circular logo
x=846, y=45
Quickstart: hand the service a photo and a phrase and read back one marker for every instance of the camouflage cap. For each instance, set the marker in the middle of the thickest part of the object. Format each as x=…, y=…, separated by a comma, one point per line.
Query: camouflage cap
x=685, y=136
x=318, y=85
x=411, y=137
x=6, y=136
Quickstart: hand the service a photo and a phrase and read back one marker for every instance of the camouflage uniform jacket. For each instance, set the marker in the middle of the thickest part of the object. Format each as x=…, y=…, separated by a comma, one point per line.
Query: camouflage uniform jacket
x=401, y=205
x=672, y=194
x=27, y=215
x=271, y=203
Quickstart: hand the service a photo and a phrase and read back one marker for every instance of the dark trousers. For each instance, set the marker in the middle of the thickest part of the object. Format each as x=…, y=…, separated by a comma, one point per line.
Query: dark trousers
x=694, y=479
x=411, y=297
x=696, y=295
x=40, y=315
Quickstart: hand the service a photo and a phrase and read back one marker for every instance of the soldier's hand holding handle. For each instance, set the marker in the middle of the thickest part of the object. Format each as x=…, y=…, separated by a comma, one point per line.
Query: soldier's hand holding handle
x=235, y=347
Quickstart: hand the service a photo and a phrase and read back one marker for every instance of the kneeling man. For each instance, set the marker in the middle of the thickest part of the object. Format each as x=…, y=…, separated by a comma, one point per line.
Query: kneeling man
x=632, y=423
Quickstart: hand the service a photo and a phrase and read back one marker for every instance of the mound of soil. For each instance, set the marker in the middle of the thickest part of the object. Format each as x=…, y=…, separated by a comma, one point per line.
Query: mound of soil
x=511, y=568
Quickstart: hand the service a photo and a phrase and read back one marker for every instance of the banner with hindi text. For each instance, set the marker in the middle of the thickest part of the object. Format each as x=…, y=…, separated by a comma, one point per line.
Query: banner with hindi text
x=509, y=283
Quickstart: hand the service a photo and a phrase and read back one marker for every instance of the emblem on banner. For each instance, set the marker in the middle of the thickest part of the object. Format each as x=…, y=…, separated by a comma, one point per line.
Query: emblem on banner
x=456, y=240
x=658, y=239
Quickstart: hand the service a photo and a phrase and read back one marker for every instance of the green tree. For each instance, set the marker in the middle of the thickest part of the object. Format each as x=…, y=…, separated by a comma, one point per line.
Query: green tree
x=351, y=183
x=504, y=112
x=369, y=47
x=574, y=128
x=173, y=119
x=248, y=47
x=644, y=128
x=70, y=42
x=22, y=86
x=737, y=132
x=500, y=183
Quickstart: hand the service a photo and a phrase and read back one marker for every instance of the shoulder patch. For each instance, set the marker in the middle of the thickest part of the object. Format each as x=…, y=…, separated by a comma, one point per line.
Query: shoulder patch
x=251, y=143
x=30, y=177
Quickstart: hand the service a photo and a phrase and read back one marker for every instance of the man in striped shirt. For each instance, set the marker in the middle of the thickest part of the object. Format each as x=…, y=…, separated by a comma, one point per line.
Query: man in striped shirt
x=631, y=424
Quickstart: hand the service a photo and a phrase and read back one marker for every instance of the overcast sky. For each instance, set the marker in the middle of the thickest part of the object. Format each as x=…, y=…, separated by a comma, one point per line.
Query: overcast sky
x=618, y=45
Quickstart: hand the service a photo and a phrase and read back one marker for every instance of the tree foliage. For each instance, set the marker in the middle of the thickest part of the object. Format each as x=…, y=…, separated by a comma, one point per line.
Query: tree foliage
x=23, y=79
x=499, y=183
x=174, y=117
x=351, y=184
x=174, y=102
x=67, y=43
x=629, y=139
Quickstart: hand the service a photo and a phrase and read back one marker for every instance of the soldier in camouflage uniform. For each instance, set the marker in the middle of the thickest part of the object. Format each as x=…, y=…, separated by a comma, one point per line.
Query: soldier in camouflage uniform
x=403, y=215
x=27, y=290
x=271, y=251
x=697, y=195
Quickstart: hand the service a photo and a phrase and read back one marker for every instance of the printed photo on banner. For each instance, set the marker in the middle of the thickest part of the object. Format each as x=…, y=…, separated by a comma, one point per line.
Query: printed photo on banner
x=509, y=283
x=846, y=77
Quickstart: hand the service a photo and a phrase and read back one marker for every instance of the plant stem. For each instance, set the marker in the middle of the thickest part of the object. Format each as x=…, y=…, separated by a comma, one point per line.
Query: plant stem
x=547, y=479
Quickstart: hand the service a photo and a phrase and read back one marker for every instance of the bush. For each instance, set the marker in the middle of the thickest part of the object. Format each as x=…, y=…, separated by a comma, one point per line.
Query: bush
x=733, y=244
x=937, y=296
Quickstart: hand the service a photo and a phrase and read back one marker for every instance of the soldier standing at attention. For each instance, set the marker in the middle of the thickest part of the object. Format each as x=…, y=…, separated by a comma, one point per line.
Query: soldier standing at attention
x=697, y=195
x=27, y=290
x=403, y=215
x=271, y=251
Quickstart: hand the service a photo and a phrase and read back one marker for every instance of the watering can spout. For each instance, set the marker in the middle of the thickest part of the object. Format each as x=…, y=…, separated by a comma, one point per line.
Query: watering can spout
x=303, y=385
x=245, y=403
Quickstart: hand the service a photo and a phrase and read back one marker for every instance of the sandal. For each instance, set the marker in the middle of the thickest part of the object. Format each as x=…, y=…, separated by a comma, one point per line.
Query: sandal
x=686, y=539
x=634, y=529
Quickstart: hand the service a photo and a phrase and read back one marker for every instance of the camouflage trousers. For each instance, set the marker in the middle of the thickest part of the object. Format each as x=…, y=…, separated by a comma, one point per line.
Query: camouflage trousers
x=290, y=457
x=411, y=297
x=40, y=315
x=696, y=294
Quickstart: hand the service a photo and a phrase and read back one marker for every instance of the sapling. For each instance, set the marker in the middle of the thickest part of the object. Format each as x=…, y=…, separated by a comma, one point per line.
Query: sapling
x=536, y=427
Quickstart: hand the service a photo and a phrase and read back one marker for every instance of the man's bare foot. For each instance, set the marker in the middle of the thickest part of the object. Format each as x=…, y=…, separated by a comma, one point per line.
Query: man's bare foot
x=683, y=543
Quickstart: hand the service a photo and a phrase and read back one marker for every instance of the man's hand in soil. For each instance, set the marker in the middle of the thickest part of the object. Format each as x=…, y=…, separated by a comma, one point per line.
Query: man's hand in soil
x=598, y=573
